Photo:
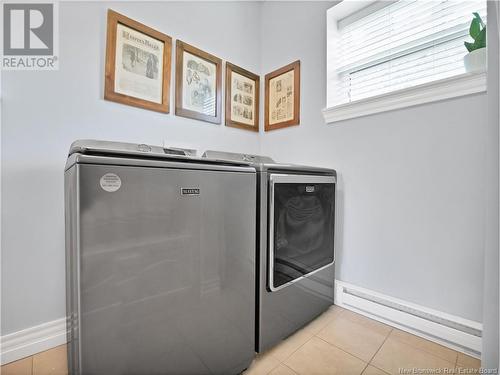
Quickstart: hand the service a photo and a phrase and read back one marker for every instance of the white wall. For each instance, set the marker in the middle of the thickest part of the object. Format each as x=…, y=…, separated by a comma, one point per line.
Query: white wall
x=411, y=182
x=43, y=112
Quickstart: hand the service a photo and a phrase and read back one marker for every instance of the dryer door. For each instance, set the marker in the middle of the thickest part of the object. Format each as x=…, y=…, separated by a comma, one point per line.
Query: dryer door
x=301, y=227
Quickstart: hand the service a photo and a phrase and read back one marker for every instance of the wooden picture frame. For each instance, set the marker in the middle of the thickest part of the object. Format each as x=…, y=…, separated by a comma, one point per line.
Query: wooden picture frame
x=242, y=98
x=138, y=64
x=198, y=82
x=276, y=114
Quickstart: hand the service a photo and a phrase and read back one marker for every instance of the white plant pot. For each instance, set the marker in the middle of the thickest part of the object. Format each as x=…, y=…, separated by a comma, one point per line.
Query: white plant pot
x=475, y=61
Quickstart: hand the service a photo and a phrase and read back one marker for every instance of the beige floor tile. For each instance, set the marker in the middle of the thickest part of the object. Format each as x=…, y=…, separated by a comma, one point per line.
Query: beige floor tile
x=317, y=357
x=22, y=367
x=395, y=355
x=466, y=361
x=336, y=309
x=370, y=370
x=367, y=322
x=263, y=364
x=322, y=321
x=282, y=370
x=284, y=349
x=51, y=362
x=443, y=352
x=362, y=340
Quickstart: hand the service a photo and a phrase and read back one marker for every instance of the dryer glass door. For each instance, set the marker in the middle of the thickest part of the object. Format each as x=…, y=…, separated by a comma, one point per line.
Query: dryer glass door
x=301, y=229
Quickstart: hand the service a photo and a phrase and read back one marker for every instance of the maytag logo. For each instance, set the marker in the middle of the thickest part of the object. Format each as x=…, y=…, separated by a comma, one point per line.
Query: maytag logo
x=190, y=191
x=30, y=36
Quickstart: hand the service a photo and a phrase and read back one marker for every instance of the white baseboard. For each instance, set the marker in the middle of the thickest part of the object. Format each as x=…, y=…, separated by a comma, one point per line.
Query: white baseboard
x=32, y=340
x=448, y=330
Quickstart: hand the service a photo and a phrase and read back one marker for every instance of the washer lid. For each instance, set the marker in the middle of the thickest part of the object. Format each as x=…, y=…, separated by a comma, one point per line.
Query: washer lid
x=94, y=148
x=90, y=146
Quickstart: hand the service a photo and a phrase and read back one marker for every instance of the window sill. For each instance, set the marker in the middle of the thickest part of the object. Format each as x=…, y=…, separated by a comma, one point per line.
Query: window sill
x=464, y=84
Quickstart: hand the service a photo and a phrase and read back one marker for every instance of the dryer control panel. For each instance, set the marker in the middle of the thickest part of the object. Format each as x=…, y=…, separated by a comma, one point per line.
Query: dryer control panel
x=233, y=156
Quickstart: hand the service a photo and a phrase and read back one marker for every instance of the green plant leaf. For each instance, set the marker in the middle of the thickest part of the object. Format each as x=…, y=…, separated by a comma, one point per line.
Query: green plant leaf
x=480, y=41
x=475, y=28
x=469, y=46
x=478, y=17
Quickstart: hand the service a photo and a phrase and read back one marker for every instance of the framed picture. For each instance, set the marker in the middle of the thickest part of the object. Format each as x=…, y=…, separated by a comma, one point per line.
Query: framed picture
x=138, y=63
x=282, y=106
x=242, y=98
x=198, y=84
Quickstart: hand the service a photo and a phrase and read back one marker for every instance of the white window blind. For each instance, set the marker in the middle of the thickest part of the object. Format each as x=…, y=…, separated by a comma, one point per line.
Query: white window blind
x=391, y=45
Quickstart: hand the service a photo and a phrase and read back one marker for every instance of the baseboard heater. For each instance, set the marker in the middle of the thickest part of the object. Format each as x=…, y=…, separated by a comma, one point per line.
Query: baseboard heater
x=448, y=330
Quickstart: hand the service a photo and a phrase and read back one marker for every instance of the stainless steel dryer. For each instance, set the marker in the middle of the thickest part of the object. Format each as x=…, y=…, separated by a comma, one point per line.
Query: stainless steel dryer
x=160, y=261
x=295, y=250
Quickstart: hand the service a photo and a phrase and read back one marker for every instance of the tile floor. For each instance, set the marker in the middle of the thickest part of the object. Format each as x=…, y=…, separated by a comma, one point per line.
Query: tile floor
x=339, y=342
x=51, y=362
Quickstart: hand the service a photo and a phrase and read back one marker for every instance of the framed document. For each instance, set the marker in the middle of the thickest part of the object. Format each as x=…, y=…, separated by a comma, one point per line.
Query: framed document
x=282, y=106
x=138, y=63
x=198, y=84
x=242, y=98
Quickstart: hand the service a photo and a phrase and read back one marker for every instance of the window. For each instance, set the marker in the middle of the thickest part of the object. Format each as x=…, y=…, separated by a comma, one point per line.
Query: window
x=385, y=46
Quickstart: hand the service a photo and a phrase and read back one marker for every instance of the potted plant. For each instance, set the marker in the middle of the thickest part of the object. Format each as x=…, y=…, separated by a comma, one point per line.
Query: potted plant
x=475, y=60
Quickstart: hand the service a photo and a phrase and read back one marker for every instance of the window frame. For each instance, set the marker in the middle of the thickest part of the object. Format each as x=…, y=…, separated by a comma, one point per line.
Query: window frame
x=447, y=88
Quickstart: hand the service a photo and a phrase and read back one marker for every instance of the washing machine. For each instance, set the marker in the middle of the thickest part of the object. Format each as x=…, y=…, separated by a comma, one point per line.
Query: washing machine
x=295, y=245
x=160, y=261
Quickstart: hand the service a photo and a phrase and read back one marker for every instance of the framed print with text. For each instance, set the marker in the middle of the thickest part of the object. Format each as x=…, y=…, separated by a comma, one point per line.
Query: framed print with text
x=138, y=63
x=282, y=101
x=242, y=98
x=198, y=84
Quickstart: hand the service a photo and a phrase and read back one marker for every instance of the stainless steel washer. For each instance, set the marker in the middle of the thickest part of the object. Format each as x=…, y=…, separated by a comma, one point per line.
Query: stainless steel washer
x=160, y=261
x=295, y=250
